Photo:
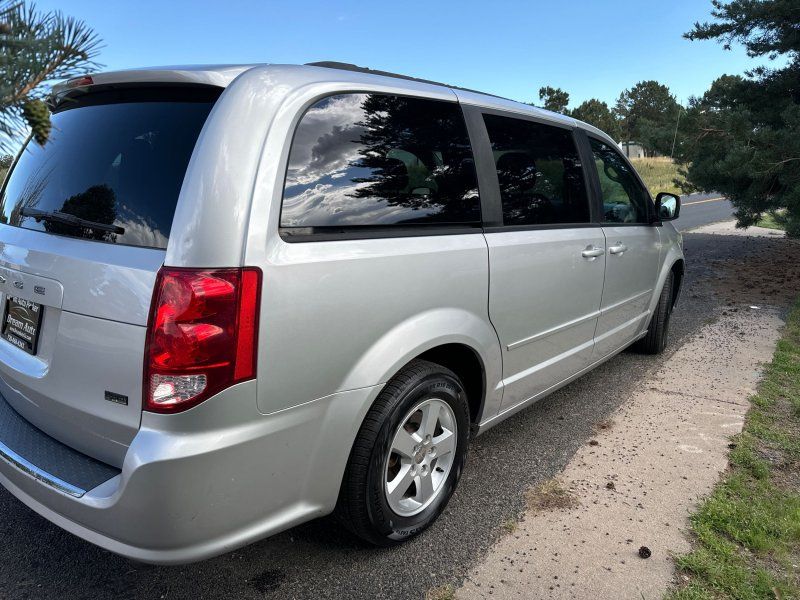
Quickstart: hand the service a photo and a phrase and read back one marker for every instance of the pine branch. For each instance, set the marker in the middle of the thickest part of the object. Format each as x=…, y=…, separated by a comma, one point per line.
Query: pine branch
x=36, y=48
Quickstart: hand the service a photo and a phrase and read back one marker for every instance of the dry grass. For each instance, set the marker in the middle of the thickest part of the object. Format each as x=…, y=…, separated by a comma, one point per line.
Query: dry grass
x=659, y=174
x=550, y=495
x=510, y=525
x=443, y=592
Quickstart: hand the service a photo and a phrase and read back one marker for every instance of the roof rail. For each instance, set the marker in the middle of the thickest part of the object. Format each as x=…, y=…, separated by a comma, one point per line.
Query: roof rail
x=330, y=64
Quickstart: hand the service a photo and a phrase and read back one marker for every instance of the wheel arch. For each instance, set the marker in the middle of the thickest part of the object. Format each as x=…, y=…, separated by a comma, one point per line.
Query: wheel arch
x=466, y=363
x=678, y=269
x=456, y=339
x=672, y=263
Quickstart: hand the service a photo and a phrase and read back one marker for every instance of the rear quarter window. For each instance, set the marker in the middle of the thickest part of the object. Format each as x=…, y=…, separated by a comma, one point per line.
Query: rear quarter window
x=377, y=160
x=116, y=158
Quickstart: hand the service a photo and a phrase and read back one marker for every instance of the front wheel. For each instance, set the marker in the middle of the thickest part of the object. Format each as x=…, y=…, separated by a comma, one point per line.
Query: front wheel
x=408, y=456
x=658, y=330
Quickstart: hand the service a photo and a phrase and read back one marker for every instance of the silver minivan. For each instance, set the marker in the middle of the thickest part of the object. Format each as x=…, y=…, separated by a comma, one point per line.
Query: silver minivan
x=237, y=298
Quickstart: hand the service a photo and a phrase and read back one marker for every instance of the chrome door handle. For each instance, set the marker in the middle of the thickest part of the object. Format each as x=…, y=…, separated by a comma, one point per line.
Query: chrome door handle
x=592, y=252
x=618, y=249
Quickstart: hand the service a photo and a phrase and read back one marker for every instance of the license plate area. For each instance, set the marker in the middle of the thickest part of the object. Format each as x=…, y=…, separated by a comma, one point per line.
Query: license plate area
x=21, y=322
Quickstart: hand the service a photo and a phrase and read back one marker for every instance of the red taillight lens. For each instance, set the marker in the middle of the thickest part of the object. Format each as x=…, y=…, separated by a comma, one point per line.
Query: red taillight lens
x=202, y=335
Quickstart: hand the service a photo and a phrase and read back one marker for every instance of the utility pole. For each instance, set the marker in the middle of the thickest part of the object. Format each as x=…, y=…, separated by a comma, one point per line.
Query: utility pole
x=675, y=137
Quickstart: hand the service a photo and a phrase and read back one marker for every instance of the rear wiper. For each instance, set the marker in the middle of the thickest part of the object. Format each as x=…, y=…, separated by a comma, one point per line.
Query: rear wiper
x=56, y=216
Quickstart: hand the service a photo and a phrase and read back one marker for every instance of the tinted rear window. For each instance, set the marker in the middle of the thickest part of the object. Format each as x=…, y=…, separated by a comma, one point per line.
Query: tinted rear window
x=116, y=158
x=366, y=160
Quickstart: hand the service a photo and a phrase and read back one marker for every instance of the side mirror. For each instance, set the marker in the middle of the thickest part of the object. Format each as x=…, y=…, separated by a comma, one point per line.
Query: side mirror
x=668, y=206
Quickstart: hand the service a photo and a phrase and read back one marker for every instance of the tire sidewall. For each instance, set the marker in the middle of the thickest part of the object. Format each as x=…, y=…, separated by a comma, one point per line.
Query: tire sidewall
x=391, y=525
x=666, y=299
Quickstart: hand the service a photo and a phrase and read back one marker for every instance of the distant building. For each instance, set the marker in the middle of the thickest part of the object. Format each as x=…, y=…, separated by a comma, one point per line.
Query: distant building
x=632, y=149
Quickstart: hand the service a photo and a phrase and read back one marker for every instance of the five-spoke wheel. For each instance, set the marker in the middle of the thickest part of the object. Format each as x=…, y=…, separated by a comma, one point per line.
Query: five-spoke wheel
x=420, y=457
x=407, y=457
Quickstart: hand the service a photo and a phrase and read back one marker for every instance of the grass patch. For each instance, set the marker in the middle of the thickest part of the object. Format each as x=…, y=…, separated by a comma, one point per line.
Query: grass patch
x=748, y=531
x=510, y=525
x=444, y=592
x=549, y=495
x=659, y=174
x=774, y=220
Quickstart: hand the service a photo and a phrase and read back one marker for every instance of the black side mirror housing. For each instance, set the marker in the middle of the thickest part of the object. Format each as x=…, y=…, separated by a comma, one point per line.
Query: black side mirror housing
x=668, y=207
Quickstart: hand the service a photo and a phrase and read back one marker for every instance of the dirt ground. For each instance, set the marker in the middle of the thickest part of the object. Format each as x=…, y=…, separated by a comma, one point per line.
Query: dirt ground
x=770, y=275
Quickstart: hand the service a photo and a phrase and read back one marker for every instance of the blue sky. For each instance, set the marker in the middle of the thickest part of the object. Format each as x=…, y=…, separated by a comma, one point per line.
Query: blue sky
x=589, y=48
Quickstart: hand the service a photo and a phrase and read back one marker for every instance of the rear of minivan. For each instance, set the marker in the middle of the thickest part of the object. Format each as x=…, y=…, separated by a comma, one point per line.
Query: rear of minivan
x=72, y=361
x=97, y=332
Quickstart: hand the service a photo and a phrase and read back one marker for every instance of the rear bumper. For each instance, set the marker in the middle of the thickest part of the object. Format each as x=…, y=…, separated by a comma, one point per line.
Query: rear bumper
x=189, y=491
x=46, y=459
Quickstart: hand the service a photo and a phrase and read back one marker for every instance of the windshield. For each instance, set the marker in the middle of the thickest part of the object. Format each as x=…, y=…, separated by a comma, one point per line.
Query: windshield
x=115, y=158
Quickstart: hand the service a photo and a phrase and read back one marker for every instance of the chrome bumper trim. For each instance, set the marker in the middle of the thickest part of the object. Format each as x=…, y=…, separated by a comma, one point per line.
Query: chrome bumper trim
x=29, y=468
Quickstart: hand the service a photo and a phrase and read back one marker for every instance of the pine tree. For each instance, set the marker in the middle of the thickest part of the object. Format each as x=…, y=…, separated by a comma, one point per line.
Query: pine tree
x=743, y=134
x=647, y=114
x=36, y=48
x=554, y=99
x=597, y=113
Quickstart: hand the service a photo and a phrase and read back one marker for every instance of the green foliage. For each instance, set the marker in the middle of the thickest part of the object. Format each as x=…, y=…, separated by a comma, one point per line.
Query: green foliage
x=597, y=113
x=648, y=113
x=554, y=99
x=742, y=137
x=773, y=220
x=35, y=48
x=36, y=113
x=766, y=28
x=748, y=530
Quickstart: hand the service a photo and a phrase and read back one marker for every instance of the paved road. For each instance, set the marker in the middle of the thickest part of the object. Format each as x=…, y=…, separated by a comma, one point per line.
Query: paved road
x=319, y=560
x=702, y=209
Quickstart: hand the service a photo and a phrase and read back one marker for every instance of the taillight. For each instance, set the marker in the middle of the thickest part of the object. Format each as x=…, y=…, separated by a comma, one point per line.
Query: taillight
x=202, y=335
x=79, y=82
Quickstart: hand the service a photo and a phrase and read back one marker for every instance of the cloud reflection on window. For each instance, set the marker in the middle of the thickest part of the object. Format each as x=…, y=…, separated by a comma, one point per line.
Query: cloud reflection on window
x=374, y=159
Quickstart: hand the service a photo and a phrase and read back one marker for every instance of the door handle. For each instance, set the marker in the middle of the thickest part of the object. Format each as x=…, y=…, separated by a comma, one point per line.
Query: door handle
x=592, y=252
x=619, y=248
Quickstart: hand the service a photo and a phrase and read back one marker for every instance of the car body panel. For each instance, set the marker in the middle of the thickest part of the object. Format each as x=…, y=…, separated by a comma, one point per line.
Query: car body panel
x=629, y=285
x=544, y=302
x=242, y=154
x=90, y=340
x=394, y=298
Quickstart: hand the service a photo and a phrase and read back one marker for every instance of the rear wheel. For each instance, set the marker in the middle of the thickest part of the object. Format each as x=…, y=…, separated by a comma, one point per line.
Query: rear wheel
x=658, y=330
x=408, y=456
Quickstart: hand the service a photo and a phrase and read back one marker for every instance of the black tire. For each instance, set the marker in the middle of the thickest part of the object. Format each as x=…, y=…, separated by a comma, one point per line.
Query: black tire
x=658, y=330
x=362, y=506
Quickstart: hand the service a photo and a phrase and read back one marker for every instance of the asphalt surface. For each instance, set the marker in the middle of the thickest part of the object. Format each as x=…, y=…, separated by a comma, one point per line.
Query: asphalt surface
x=702, y=209
x=320, y=560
